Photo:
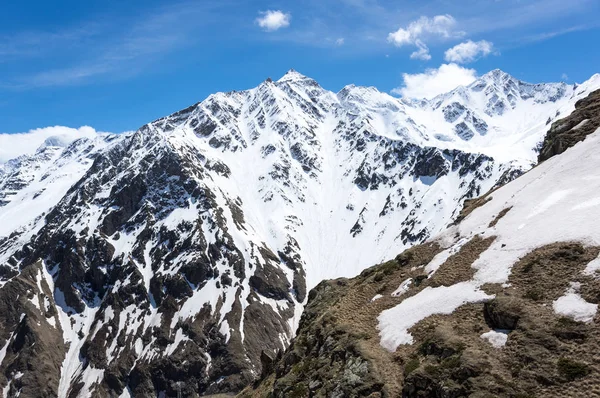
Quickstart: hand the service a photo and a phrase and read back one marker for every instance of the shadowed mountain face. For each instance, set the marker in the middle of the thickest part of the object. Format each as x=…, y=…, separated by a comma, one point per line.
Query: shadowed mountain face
x=172, y=257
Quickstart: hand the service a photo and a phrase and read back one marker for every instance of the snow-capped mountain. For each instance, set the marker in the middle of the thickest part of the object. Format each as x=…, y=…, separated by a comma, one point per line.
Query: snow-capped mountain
x=181, y=252
x=503, y=303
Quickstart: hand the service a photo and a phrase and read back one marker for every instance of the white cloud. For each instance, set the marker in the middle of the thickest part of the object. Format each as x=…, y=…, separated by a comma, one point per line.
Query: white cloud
x=440, y=25
x=433, y=81
x=400, y=37
x=415, y=34
x=340, y=41
x=14, y=145
x=422, y=53
x=468, y=51
x=564, y=77
x=273, y=19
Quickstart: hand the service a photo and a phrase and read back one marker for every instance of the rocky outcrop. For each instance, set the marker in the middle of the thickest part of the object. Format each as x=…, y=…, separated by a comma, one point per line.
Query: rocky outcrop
x=567, y=132
x=32, y=346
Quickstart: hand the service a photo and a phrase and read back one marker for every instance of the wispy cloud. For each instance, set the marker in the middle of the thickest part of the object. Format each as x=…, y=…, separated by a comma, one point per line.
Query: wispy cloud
x=554, y=33
x=424, y=28
x=37, y=43
x=438, y=26
x=118, y=50
x=521, y=18
x=63, y=76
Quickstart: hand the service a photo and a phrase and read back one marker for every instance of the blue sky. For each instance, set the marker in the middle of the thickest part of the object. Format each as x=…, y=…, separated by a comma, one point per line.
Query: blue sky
x=115, y=65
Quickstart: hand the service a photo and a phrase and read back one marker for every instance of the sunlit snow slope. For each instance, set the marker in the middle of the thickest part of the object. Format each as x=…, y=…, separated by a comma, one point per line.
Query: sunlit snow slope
x=558, y=201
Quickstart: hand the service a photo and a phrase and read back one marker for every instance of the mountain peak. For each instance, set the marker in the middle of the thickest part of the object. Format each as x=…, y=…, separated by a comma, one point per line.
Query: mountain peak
x=294, y=76
x=497, y=76
x=56, y=141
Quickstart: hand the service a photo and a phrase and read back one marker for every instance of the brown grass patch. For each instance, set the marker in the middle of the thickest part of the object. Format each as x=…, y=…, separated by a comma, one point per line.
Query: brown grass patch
x=448, y=352
x=499, y=217
x=471, y=204
x=457, y=268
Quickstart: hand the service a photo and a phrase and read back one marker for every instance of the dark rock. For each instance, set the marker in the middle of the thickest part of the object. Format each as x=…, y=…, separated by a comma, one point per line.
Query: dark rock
x=567, y=132
x=502, y=313
x=270, y=282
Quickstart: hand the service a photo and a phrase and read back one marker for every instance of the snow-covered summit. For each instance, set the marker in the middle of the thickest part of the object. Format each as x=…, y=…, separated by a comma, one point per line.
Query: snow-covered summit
x=57, y=140
x=492, y=116
x=293, y=76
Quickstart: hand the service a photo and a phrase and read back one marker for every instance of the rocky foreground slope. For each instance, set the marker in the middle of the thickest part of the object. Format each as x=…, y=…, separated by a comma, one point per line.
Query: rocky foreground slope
x=176, y=257
x=502, y=304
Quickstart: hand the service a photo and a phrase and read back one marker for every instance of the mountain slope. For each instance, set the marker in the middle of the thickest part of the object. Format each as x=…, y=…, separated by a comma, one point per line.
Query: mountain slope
x=502, y=304
x=173, y=257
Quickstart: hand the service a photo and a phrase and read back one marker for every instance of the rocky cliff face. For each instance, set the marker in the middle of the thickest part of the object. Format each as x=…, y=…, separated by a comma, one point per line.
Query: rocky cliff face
x=179, y=257
x=566, y=132
x=504, y=303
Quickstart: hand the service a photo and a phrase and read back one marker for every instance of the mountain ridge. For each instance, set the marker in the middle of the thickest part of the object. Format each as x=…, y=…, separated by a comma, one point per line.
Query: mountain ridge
x=196, y=239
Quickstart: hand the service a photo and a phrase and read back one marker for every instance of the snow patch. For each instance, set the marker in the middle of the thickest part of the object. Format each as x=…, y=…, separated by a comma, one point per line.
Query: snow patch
x=496, y=338
x=5, y=347
x=225, y=330
x=581, y=124
x=394, y=323
x=403, y=288
x=593, y=267
x=531, y=197
x=574, y=306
